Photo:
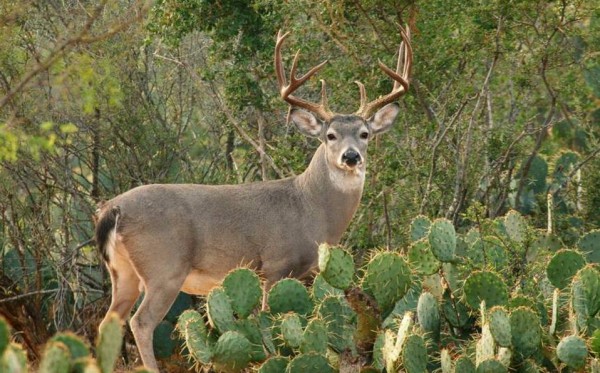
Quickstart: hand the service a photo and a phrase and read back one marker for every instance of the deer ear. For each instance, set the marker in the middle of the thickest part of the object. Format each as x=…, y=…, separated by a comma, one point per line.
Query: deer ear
x=307, y=123
x=384, y=118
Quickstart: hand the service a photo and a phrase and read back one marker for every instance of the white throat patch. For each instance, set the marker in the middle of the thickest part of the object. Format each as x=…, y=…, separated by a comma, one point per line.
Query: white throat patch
x=347, y=181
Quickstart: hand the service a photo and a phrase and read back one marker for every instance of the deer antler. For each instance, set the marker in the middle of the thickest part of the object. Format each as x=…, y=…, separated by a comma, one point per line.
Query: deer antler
x=286, y=90
x=401, y=79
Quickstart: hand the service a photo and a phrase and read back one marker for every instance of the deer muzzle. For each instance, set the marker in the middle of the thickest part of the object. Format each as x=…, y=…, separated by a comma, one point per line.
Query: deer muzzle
x=351, y=158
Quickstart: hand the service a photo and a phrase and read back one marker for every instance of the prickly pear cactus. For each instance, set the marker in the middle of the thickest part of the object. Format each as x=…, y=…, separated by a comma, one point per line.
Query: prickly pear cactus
x=515, y=226
x=526, y=331
x=585, y=295
x=56, y=358
x=310, y=362
x=387, y=278
x=289, y=295
x=193, y=330
x=243, y=288
x=219, y=310
x=572, y=351
x=414, y=354
x=563, y=266
x=419, y=228
x=232, y=352
x=275, y=364
x=464, y=365
x=291, y=329
x=77, y=348
x=590, y=246
x=336, y=266
x=314, y=338
x=321, y=288
x=428, y=314
x=340, y=321
x=108, y=345
x=421, y=258
x=442, y=238
x=499, y=321
x=485, y=286
x=491, y=366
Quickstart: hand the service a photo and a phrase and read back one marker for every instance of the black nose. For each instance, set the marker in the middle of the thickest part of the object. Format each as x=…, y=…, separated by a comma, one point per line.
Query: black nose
x=351, y=157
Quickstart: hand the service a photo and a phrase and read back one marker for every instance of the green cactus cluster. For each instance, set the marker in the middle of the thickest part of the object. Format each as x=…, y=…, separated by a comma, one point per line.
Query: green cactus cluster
x=65, y=352
x=448, y=301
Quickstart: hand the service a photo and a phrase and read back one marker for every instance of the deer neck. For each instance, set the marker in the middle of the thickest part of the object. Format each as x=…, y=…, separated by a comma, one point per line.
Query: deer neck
x=334, y=192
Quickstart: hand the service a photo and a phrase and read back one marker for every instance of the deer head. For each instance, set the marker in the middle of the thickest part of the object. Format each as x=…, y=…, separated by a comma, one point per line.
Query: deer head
x=346, y=136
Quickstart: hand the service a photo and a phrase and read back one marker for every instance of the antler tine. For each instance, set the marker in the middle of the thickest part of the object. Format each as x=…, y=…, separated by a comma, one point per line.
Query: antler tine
x=363, y=96
x=286, y=89
x=279, y=71
x=401, y=79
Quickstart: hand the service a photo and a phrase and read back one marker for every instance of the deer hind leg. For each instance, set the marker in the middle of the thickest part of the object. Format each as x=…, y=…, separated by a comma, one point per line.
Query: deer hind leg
x=159, y=295
x=125, y=288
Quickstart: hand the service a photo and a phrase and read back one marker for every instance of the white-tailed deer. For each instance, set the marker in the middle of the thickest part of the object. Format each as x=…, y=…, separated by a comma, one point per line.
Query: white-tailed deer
x=160, y=239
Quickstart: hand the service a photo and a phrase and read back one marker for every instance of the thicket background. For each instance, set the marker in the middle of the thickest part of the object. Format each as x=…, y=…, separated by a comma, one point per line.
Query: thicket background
x=97, y=97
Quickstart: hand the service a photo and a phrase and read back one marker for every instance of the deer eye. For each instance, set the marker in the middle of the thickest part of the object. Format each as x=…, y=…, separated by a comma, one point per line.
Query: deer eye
x=364, y=135
x=331, y=137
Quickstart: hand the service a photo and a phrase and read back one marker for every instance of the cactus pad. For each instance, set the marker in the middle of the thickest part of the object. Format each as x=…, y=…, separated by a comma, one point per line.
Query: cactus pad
x=250, y=329
x=491, y=366
x=485, y=346
x=485, y=286
x=414, y=354
x=232, y=352
x=77, y=348
x=455, y=311
x=563, y=266
x=244, y=291
x=315, y=337
x=526, y=331
x=321, y=288
x=590, y=246
x=193, y=330
x=108, y=345
x=219, y=310
x=499, y=322
x=291, y=329
x=310, y=362
x=336, y=266
x=340, y=321
x=419, y=228
x=421, y=258
x=275, y=364
x=515, y=226
x=428, y=314
x=442, y=238
x=289, y=295
x=387, y=279
x=56, y=358
x=464, y=365
x=586, y=283
x=572, y=351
